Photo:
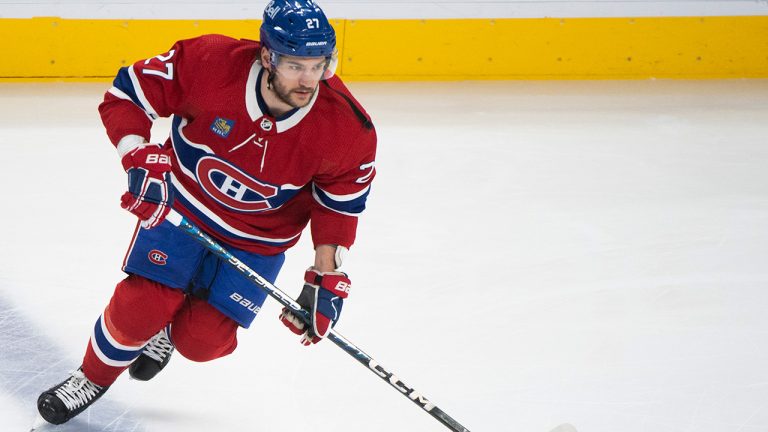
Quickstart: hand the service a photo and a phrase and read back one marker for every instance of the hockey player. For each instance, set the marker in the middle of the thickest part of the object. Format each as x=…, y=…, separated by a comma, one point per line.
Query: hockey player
x=264, y=139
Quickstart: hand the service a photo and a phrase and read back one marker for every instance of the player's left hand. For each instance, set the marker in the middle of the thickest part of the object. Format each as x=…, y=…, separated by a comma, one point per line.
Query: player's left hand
x=149, y=193
x=323, y=296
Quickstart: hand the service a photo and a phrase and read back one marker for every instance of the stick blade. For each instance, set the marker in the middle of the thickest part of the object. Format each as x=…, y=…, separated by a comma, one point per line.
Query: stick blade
x=565, y=427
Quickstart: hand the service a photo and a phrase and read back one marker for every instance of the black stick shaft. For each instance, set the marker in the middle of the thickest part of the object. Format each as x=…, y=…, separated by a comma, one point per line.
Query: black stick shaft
x=284, y=299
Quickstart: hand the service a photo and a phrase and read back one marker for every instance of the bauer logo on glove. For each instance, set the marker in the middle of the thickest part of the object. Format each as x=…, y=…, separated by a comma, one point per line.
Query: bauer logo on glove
x=323, y=297
x=149, y=195
x=162, y=159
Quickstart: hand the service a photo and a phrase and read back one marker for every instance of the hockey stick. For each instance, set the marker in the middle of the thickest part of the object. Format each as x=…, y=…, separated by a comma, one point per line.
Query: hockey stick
x=284, y=299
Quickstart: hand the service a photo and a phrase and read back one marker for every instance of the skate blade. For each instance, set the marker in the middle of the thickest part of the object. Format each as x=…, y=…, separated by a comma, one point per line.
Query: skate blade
x=565, y=427
x=39, y=425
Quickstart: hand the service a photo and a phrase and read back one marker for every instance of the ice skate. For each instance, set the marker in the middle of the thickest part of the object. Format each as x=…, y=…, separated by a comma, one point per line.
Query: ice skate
x=154, y=357
x=64, y=401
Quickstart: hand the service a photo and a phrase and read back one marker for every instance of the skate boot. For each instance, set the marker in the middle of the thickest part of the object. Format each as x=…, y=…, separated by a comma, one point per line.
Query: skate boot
x=60, y=403
x=156, y=354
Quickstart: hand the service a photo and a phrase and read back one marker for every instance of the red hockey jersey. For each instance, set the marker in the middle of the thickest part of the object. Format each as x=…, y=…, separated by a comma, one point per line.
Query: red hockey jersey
x=251, y=180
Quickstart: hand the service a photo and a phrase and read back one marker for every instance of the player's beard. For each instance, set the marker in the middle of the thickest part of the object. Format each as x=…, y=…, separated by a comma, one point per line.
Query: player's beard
x=285, y=95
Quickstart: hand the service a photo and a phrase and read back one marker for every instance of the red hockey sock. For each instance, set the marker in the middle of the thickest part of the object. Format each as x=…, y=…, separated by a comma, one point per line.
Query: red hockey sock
x=139, y=308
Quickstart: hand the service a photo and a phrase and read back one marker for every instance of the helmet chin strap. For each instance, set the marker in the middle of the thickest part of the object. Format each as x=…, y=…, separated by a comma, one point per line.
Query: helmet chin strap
x=274, y=58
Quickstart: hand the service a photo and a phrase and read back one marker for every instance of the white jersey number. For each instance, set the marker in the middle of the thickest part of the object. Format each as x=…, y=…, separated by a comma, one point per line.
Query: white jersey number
x=152, y=69
x=367, y=176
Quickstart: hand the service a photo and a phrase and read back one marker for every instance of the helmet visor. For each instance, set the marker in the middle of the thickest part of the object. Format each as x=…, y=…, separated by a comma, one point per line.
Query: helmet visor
x=310, y=68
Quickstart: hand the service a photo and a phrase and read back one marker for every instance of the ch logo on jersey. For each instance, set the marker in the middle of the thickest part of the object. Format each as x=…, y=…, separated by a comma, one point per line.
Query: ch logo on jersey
x=222, y=127
x=233, y=188
x=157, y=257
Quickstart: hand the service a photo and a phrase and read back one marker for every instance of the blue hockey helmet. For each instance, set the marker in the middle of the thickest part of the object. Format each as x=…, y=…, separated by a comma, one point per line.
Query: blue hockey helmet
x=297, y=28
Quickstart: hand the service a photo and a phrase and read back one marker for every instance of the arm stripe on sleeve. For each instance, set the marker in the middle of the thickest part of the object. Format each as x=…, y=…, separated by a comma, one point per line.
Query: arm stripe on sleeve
x=114, y=91
x=350, y=205
x=140, y=94
x=124, y=89
x=347, y=197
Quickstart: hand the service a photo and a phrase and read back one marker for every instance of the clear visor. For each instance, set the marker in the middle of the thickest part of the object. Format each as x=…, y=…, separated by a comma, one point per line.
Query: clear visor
x=314, y=69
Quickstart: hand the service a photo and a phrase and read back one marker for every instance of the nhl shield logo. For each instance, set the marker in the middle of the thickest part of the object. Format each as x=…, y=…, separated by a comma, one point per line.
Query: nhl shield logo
x=266, y=124
x=157, y=257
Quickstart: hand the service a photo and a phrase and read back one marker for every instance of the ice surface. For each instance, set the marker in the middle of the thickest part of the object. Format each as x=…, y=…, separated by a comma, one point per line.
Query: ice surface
x=533, y=253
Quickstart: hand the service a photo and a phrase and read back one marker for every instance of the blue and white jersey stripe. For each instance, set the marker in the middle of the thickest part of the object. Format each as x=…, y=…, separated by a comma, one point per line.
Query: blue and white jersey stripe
x=126, y=84
x=188, y=156
x=350, y=204
x=108, y=350
x=187, y=152
x=215, y=222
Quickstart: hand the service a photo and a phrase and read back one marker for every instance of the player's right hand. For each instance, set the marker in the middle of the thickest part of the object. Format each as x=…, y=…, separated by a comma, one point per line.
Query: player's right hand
x=149, y=193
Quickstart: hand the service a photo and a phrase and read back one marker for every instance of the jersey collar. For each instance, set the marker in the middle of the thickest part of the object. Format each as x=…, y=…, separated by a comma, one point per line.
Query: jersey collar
x=254, y=104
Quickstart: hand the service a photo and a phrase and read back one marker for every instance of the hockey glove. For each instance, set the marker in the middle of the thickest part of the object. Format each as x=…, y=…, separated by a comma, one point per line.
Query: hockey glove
x=149, y=193
x=323, y=296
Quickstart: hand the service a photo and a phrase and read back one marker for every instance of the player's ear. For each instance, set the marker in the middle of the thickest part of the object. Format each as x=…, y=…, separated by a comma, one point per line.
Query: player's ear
x=264, y=56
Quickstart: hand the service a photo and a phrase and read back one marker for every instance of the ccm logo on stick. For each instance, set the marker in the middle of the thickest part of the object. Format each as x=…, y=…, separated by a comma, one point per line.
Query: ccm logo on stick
x=396, y=383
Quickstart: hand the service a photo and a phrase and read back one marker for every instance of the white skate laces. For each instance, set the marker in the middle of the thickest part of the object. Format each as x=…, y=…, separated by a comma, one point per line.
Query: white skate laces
x=159, y=347
x=77, y=391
